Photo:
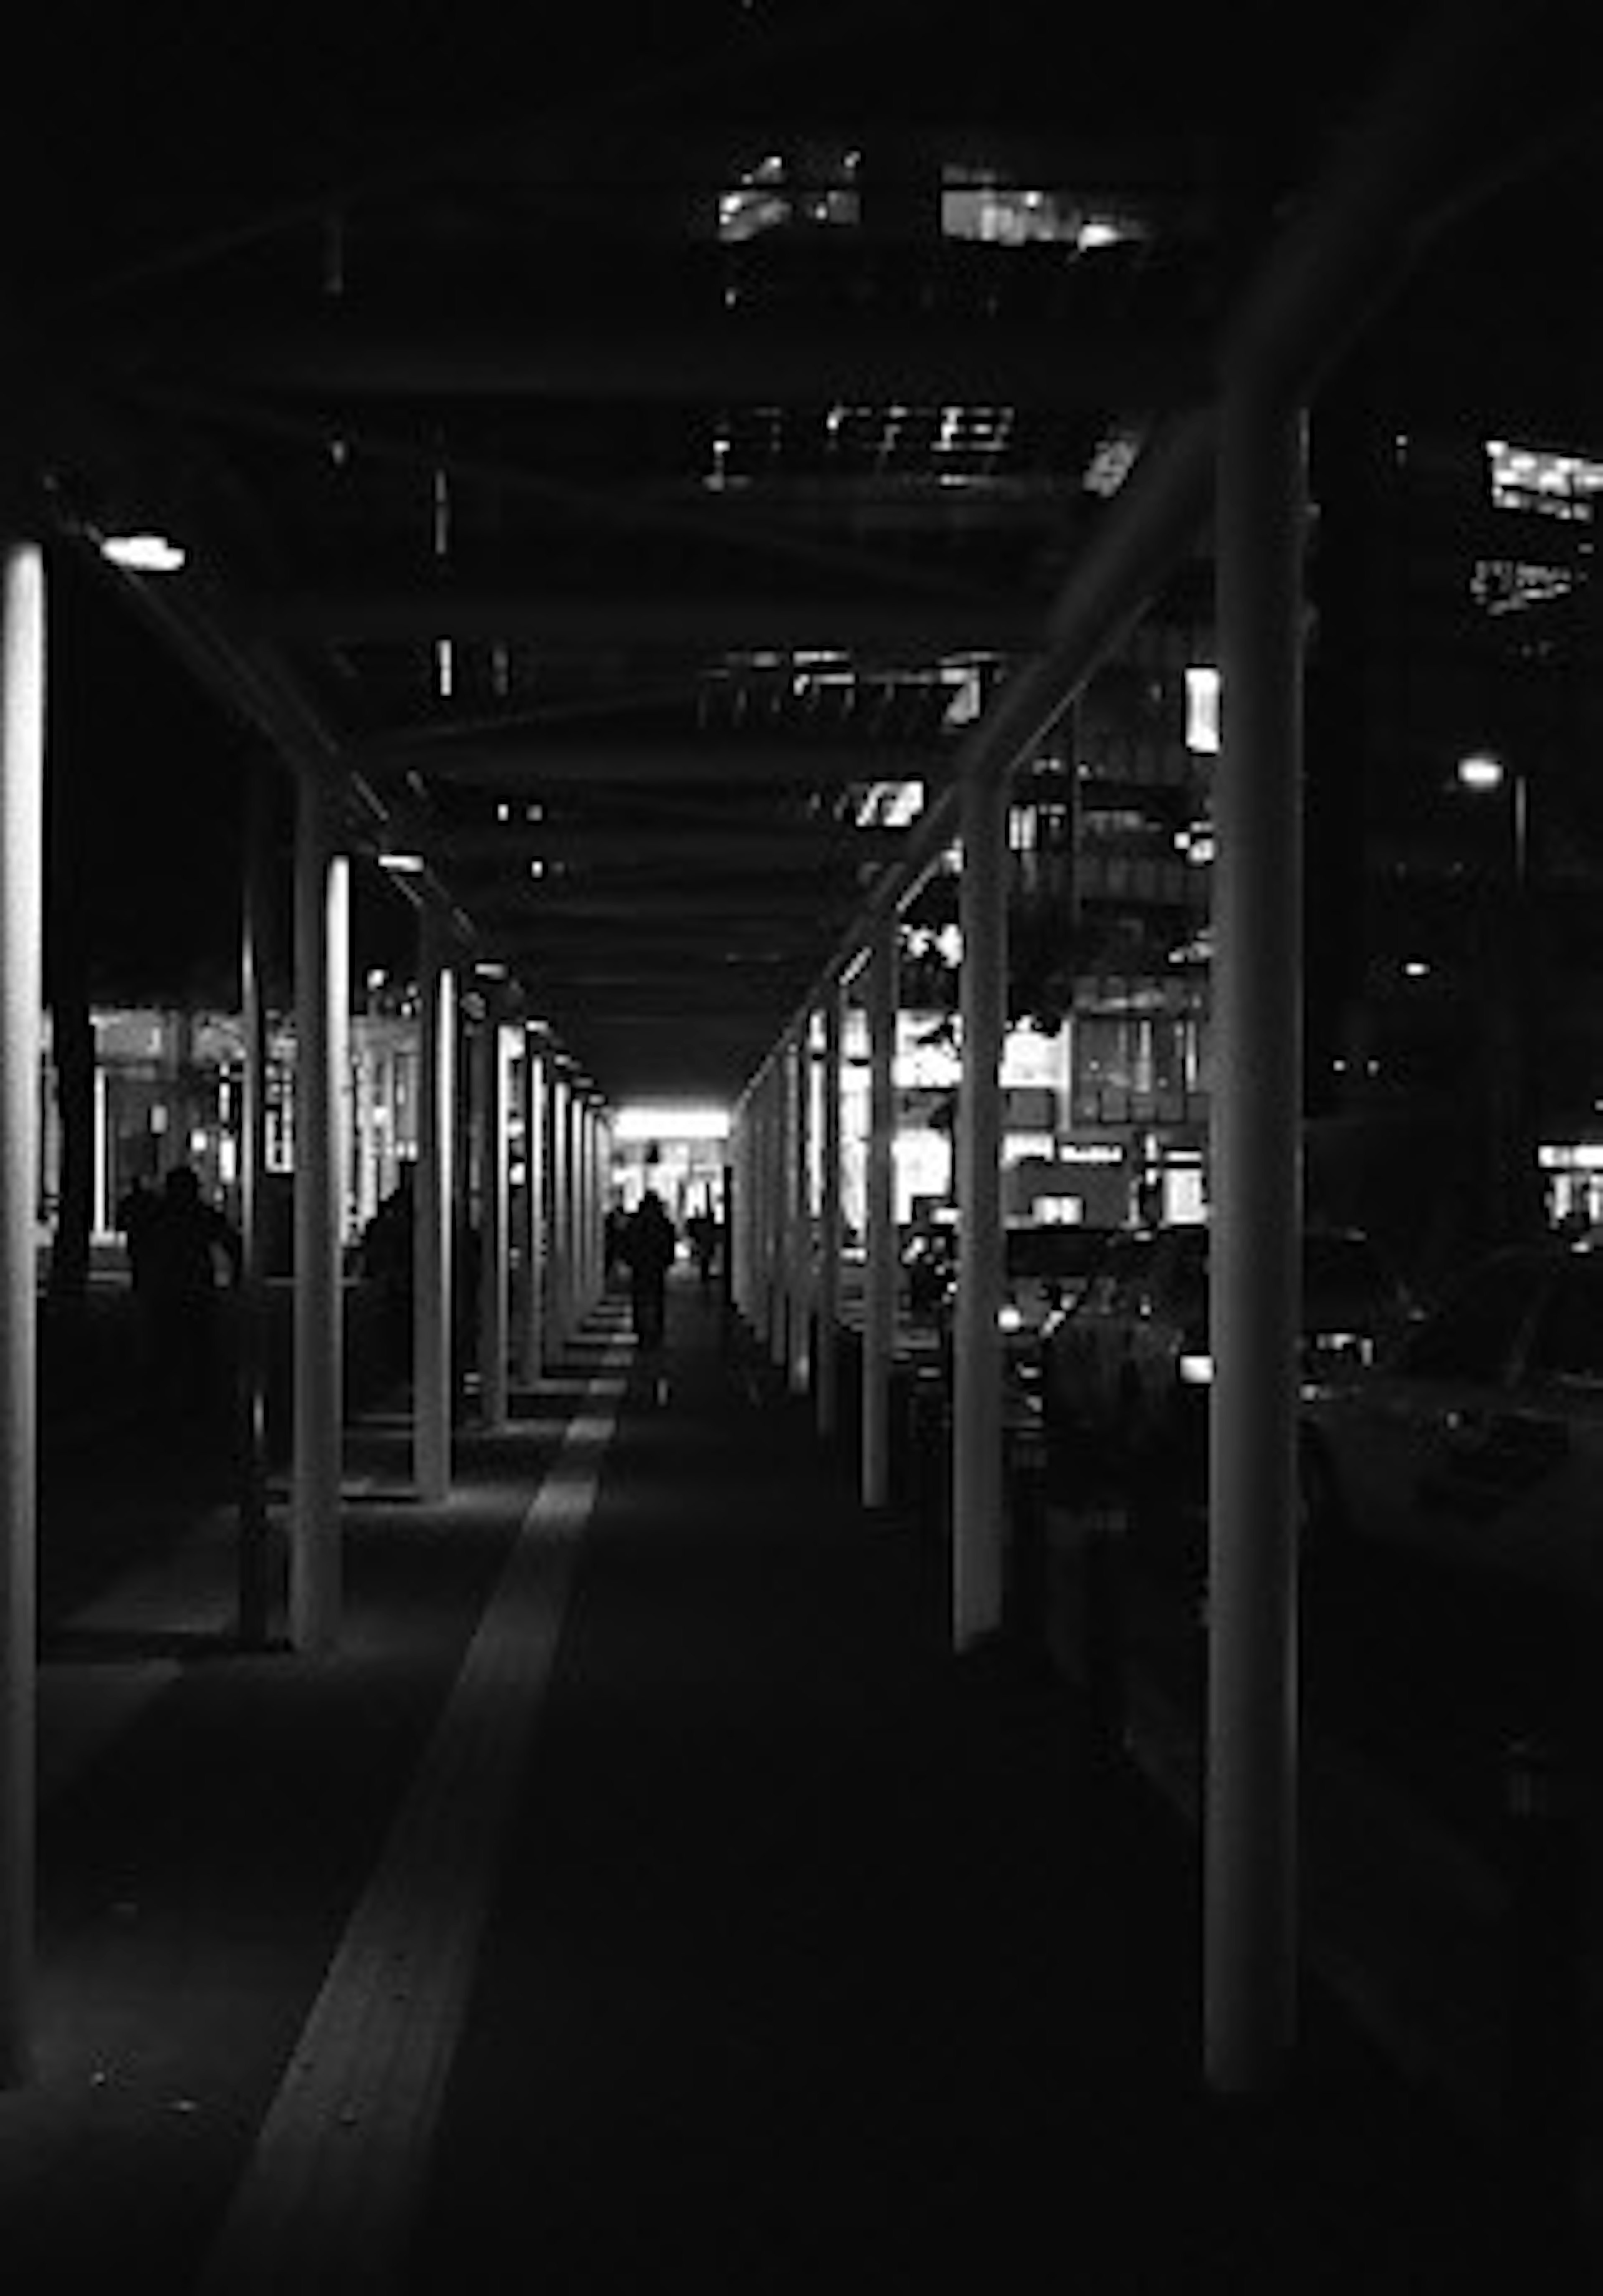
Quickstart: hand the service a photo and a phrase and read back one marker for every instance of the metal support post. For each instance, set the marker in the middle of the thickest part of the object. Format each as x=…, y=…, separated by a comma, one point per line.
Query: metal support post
x=493, y=1240
x=432, y=1317
x=882, y=1271
x=827, y=1383
x=977, y=1498
x=532, y=1331
x=1250, y=1945
x=21, y=935
x=253, y=1594
x=322, y=1002
x=799, y=1241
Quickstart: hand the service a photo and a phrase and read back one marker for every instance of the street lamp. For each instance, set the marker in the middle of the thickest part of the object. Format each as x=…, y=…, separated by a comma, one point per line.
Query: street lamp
x=1486, y=772
x=1482, y=773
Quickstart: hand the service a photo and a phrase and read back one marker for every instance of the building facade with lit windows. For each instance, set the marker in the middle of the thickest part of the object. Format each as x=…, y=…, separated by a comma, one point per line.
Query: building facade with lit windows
x=1457, y=819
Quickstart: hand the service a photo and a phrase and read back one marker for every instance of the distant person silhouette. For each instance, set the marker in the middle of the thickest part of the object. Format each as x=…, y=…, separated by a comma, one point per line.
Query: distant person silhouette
x=138, y=1208
x=191, y=1248
x=650, y=1243
x=386, y=1260
x=701, y=1229
x=615, y=1243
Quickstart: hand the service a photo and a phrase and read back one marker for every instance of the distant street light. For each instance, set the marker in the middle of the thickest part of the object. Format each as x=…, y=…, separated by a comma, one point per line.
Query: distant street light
x=1516, y=1177
x=1482, y=773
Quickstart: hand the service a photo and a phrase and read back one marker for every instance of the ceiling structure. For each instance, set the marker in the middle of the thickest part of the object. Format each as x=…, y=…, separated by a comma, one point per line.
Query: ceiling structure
x=638, y=465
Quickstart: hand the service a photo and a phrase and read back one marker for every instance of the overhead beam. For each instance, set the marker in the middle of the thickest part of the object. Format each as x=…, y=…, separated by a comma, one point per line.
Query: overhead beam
x=520, y=762
x=730, y=356
x=784, y=845
x=661, y=938
x=754, y=902
x=918, y=630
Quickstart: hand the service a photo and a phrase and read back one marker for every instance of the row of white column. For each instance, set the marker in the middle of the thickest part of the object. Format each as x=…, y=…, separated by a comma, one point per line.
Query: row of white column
x=787, y=1249
x=566, y=1155
x=788, y=1253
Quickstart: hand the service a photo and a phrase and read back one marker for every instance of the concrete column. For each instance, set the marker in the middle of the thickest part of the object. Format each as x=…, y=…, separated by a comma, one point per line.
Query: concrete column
x=799, y=1240
x=1250, y=1875
x=883, y=1272
x=737, y=1212
x=494, y=1237
x=559, y=1263
x=584, y=1204
x=435, y=1194
x=21, y=933
x=322, y=1004
x=255, y=929
x=827, y=1365
x=531, y=1330
x=776, y=1201
x=573, y=1198
x=978, y=1523
x=756, y=1210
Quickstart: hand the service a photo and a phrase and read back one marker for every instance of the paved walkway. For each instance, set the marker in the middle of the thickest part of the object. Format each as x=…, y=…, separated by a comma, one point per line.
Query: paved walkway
x=642, y=1891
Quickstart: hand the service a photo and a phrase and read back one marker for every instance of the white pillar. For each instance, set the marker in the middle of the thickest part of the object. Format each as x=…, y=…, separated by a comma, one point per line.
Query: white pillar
x=531, y=1330
x=434, y=1196
x=739, y=1233
x=881, y=1274
x=584, y=1205
x=828, y=1367
x=322, y=1002
x=762, y=1273
x=777, y=1200
x=799, y=1238
x=559, y=1262
x=573, y=1168
x=22, y=928
x=978, y=1518
x=494, y=1238
x=255, y=929
x=1250, y=1949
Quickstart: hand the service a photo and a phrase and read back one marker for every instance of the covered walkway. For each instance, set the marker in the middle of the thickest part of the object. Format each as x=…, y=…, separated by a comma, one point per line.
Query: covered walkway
x=644, y=1890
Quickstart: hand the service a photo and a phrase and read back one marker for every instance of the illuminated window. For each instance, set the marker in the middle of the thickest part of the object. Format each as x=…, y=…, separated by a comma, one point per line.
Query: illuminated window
x=1537, y=479
x=1111, y=462
x=1202, y=711
x=888, y=804
x=815, y=189
x=975, y=205
x=1510, y=585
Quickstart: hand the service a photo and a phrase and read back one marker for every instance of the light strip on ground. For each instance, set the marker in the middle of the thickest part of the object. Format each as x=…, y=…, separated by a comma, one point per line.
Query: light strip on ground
x=340, y=2161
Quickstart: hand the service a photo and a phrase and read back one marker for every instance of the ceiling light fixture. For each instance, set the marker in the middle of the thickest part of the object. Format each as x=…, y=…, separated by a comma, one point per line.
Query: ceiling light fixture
x=142, y=551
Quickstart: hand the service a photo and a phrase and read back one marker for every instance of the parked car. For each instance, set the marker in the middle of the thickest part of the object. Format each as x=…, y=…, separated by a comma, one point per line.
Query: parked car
x=1045, y=1265
x=1479, y=1435
x=1128, y=1362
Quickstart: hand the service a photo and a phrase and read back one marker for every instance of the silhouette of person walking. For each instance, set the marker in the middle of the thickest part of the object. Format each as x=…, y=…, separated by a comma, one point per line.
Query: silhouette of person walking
x=387, y=1262
x=649, y=1243
x=189, y=1245
x=137, y=1209
x=701, y=1229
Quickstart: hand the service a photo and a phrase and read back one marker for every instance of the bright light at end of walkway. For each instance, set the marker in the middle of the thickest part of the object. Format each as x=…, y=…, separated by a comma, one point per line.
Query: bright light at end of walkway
x=643, y=1122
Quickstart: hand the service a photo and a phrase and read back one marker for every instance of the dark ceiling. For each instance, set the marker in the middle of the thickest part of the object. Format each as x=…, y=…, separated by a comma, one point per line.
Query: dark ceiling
x=619, y=450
